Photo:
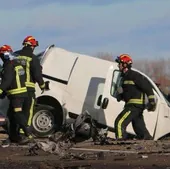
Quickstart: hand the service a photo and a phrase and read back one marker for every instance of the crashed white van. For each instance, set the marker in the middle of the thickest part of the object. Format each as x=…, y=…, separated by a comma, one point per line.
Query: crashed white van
x=80, y=82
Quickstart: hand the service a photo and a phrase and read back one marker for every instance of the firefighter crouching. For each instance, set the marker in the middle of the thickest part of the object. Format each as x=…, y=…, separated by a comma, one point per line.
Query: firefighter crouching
x=13, y=85
x=132, y=92
x=33, y=72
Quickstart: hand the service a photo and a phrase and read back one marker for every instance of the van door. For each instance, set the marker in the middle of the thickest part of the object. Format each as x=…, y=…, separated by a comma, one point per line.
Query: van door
x=112, y=108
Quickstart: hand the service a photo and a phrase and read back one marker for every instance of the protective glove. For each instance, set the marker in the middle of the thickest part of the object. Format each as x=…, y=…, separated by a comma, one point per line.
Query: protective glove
x=45, y=87
x=151, y=106
x=119, y=97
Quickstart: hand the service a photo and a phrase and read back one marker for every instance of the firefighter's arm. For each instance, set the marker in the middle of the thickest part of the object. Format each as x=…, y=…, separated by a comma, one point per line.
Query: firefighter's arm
x=7, y=78
x=37, y=74
x=146, y=87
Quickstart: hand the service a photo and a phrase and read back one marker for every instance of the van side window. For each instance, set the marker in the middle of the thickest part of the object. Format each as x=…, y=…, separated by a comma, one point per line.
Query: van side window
x=116, y=82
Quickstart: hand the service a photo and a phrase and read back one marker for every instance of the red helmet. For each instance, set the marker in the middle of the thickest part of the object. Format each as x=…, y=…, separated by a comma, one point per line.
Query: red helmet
x=30, y=40
x=5, y=48
x=124, y=58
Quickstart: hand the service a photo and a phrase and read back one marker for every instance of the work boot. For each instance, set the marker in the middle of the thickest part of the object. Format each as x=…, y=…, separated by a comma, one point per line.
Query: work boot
x=26, y=140
x=6, y=143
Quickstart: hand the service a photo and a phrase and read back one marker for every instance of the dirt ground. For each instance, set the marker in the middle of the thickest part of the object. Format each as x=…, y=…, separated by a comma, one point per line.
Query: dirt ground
x=86, y=155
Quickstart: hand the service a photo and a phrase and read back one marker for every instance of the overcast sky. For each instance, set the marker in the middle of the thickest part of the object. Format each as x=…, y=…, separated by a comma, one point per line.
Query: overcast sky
x=138, y=27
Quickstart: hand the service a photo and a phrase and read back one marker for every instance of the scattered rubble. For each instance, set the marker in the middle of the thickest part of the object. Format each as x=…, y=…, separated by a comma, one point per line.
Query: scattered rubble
x=88, y=155
x=63, y=150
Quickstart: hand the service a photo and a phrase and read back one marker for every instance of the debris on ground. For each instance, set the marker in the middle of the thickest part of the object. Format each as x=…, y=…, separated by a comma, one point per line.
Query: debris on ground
x=83, y=128
x=55, y=146
x=78, y=147
x=143, y=154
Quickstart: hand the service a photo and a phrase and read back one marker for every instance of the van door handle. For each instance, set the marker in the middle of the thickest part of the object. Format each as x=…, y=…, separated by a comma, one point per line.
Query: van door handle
x=105, y=103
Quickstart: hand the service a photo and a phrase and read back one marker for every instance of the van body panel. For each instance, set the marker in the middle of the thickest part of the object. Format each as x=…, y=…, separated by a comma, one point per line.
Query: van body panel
x=86, y=80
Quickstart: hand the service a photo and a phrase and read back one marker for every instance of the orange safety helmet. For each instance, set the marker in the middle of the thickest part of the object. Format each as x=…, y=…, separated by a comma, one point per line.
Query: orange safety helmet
x=124, y=58
x=5, y=48
x=30, y=40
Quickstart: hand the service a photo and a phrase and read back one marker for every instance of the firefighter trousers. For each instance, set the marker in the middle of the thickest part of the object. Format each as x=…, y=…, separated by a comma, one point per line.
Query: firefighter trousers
x=17, y=117
x=29, y=109
x=134, y=114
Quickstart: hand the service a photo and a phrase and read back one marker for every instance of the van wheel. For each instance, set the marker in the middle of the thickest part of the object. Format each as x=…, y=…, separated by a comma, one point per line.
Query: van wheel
x=44, y=121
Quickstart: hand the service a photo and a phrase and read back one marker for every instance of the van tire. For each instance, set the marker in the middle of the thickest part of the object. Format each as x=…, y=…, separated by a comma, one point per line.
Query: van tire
x=44, y=121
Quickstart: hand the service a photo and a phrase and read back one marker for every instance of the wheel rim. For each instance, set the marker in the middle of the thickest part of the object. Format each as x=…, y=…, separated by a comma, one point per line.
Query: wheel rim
x=43, y=121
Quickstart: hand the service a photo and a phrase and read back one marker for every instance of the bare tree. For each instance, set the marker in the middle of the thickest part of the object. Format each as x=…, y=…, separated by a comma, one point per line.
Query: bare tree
x=158, y=70
x=144, y=66
x=105, y=56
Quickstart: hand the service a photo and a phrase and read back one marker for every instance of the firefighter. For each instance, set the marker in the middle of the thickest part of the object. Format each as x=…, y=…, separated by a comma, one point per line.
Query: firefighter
x=33, y=72
x=13, y=86
x=132, y=92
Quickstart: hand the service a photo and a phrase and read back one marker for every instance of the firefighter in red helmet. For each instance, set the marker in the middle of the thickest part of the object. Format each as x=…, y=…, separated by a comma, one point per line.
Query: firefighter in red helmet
x=13, y=86
x=30, y=41
x=5, y=48
x=33, y=72
x=133, y=88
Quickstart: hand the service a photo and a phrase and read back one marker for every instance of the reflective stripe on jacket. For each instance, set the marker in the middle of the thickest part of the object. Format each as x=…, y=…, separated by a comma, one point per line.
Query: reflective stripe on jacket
x=135, y=86
x=13, y=79
x=32, y=67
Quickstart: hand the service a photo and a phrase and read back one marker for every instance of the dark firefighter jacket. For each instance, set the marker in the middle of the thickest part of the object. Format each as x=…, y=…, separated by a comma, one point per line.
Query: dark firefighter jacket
x=13, y=79
x=32, y=67
x=135, y=86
